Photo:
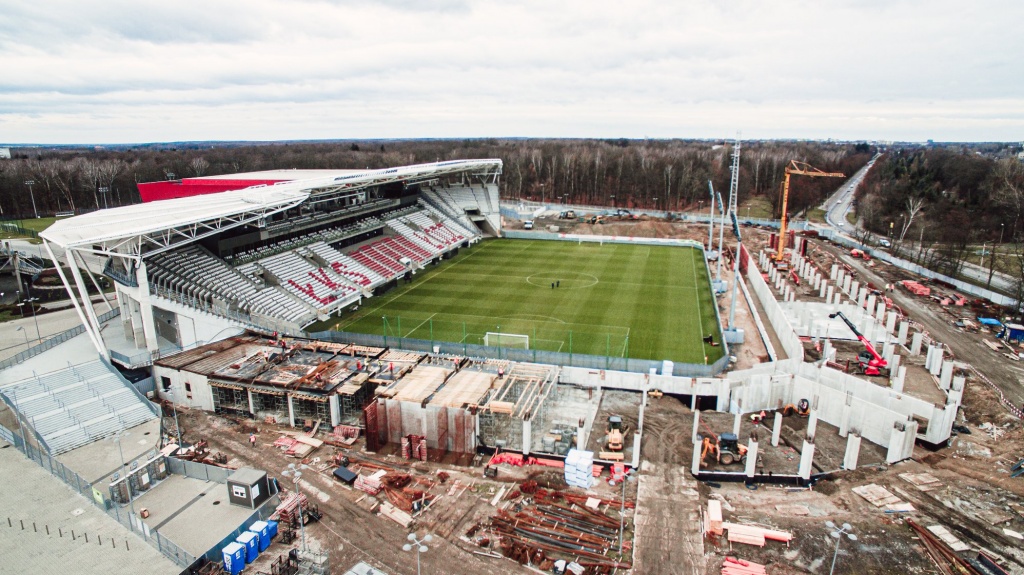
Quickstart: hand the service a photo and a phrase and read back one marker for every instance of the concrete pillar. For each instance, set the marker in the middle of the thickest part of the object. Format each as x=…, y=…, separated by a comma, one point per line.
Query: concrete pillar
x=826, y=350
x=695, y=463
x=146, y=308
x=871, y=304
x=776, y=428
x=852, y=452
x=838, y=298
x=581, y=444
x=788, y=291
x=696, y=423
x=829, y=291
x=901, y=375
x=854, y=288
x=880, y=311
x=894, y=365
x=252, y=409
x=336, y=410
x=862, y=295
x=937, y=360
x=844, y=421
x=527, y=437
x=946, y=377
x=832, y=272
x=737, y=420
x=846, y=284
x=806, y=460
x=887, y=351
x=812, y=423
x=291, y=411
x=901, y=335
x=928, y=358
x=956, y=390
x=890, y=322
x=817, y=281
x=915, y=345
x=897, y=441
x=867, y=326
x=751, y=467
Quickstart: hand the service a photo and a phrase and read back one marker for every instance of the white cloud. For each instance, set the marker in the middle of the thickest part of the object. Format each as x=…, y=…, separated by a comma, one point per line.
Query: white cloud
x=232, y=69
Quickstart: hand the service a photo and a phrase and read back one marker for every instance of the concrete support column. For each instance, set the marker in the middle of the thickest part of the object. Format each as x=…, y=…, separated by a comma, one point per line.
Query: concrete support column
x=806, y=460
x=737, y=420
x=812, y=423
x=887, y=351
x=581, y=443
x=527, y=437
x=776, y=428
x=335, y=406
x=897, y=442
x=844, y=421
x=291, y=411
x=894, y=366
x=901, y=335
x=695, y=463
x=696, y=423
x=870, y=307
x=897, y=383
x=751, y=463
x=852, y=451
x=832, y=272
x=846, y=284
x=855, y=288
x=890, y=322
x=826, y=350
x=817, y=281
x=252, y=409
x=956, y=390
x=146, y=308
x=838, y=298
x=880, y=311
x=915, y=343
x=829, y=291
x=862, y=296
x=937, y=356
x=946, y=375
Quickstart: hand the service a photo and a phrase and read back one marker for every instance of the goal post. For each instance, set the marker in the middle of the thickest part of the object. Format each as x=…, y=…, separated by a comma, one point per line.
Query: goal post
x=516, y=340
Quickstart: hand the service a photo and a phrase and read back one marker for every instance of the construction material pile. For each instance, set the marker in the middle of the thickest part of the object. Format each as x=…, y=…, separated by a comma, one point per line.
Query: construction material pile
x=733, y=566
x=536, y=533
x=916, y=288
x=579, y=468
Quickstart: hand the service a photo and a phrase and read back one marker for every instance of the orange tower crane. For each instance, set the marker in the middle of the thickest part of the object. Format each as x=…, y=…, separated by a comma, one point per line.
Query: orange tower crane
x=800, y=169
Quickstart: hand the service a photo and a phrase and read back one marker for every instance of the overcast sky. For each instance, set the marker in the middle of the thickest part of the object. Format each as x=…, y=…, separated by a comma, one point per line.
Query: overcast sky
x=140, y=71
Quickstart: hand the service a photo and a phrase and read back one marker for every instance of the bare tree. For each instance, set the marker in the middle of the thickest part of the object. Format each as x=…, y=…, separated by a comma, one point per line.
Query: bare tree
x=198, y=166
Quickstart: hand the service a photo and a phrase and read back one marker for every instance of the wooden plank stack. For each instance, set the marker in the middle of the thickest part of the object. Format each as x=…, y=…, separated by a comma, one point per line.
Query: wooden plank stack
x=754, y=535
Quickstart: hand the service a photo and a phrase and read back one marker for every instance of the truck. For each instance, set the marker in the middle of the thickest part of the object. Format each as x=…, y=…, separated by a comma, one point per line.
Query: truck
x=528, y=225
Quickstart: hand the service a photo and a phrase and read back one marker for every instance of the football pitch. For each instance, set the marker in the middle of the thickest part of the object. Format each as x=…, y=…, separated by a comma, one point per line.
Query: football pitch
x=617, y=300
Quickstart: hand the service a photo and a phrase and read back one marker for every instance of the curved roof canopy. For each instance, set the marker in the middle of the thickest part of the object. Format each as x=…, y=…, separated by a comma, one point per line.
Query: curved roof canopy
x=160, y=225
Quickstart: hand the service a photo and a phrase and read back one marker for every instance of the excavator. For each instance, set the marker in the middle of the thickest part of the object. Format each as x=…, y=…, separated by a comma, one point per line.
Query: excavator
x=869, y=361
x=799, y=169
x=725, y=447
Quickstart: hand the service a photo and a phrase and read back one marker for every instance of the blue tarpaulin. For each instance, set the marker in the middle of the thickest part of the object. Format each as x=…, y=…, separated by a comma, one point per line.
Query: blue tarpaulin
x=990, y=321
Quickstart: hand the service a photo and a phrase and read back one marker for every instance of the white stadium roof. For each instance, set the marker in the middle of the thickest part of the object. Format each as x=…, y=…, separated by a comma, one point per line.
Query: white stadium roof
x=162, y=224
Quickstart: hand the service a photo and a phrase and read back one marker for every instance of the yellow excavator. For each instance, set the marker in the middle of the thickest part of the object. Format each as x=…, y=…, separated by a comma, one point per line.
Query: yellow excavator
x=799, y=169
x=726, y=449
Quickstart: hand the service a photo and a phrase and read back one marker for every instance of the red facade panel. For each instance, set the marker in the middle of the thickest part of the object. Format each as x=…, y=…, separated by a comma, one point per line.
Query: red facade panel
x=153, y=191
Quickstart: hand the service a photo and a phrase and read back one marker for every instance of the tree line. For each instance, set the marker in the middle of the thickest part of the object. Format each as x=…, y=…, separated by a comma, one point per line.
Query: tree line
x=668, y=175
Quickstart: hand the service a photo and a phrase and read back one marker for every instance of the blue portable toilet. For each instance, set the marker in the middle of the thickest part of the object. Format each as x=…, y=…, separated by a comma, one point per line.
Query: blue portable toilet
x=234, y=558
x=272, y=527
x=251, y=541
x=260, y=528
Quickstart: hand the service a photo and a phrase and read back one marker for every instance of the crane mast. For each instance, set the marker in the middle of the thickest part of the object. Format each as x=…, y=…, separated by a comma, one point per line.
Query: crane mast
x=799, y=169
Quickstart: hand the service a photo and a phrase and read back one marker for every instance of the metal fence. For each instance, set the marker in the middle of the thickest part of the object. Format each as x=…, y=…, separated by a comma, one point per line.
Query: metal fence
x=54, y=341
x=87, y=490
x=198, y=470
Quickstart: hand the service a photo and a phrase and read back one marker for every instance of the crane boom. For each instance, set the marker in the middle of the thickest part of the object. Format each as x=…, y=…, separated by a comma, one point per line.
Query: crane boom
x=799, y=169
x=875, y=363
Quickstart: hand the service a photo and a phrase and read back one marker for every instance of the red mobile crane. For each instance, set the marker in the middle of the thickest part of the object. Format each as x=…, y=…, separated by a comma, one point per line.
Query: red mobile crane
x=870, y=362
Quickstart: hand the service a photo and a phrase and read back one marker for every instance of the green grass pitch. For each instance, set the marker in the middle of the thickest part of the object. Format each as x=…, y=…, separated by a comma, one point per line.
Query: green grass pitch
x=621, y=300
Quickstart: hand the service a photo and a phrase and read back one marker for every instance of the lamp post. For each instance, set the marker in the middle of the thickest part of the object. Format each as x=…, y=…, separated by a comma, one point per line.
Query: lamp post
x=992, y=261
x=837, y=533
x=127, y=482
x=295, y=472
x=30, y=301
x=982, y=264
x=31, y=183
x=419, y=545
x=25, y=333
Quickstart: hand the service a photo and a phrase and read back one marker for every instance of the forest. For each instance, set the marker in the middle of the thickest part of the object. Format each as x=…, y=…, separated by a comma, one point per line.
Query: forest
x=668, y=175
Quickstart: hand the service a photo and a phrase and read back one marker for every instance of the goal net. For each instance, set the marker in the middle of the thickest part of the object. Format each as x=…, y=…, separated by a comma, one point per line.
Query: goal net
x=519, y=341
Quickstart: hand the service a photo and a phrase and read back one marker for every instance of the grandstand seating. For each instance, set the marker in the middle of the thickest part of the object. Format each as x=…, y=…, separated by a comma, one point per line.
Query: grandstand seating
x=78, y=405
x=346, y=266
x=312, y=284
